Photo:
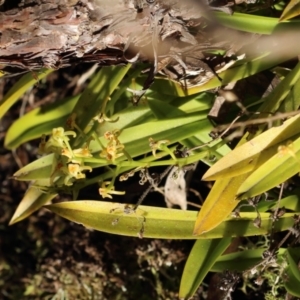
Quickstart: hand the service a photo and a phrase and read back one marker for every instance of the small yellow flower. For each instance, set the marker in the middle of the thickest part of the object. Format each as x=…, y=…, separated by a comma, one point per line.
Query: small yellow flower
x=61, y=136
x=76, y=155
x=82, y=152
x=58, y=140
x=105, y=191
x=67, y=152
x=74, y=171
x=159, y=145
x=112, y=135
x=114, y=148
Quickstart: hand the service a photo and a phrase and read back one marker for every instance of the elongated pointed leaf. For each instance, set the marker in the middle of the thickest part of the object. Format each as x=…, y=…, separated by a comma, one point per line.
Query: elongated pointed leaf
x=292, y=10
x=253, y=23
x=38, y=122
x=279, y=168
x=154, y=222
x=250, y=155
x=283, y=90
x=293, y=256
x=19, y=88
x=241, y=260
x=38, y=169
x=199, y=263
x=291, y=202
x=32, y=201
x=219, y=203
x=292, y=284
x=96, y=95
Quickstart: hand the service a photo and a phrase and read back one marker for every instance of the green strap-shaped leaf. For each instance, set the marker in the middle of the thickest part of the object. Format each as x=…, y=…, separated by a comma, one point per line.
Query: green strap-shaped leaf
x=154, y=222
x=293, y=257
x=291, y=202
x=199, y=263
x=292, y=283
x=38, y=122
x=253, y=23
x=38, y=169
x=97, y=94
x=19, y=88
x=241, y=260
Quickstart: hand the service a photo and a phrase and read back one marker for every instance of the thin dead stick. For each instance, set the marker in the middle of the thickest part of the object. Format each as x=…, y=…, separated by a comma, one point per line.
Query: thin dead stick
x=242, y=125
x=153, y=185
x=259, y=121
x=219, y=137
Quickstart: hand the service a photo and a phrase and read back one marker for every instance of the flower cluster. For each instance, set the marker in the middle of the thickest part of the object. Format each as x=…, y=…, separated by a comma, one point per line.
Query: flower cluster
x=114, y=148
x=71, y=168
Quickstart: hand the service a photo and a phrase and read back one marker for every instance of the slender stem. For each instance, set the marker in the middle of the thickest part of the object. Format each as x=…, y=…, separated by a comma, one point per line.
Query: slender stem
x=152, y=185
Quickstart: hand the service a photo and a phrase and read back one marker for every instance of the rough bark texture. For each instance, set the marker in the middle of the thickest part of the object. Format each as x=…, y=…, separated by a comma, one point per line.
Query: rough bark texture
x=57, y=33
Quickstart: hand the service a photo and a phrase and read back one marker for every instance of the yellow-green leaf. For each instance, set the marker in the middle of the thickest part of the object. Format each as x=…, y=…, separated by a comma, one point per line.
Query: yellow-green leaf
x=219, y=203
x=154, y=222
x=32, y=201
x=38, y=122
x=97, y=94
x=292, y=10
x=38, y=169
x=19, y=88
x=250, y=155
x=283, y=165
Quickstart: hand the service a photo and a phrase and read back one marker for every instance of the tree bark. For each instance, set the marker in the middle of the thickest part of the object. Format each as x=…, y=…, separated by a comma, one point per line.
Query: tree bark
x=58, y=33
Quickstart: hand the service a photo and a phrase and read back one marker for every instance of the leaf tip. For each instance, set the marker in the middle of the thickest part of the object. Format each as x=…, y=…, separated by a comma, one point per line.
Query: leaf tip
x=198, y=231
x=240, y=197
x=15, y=219
x=207, y=177
x=200, y=228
